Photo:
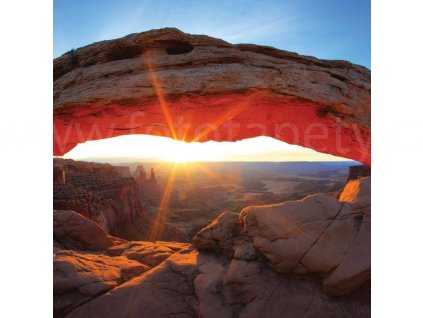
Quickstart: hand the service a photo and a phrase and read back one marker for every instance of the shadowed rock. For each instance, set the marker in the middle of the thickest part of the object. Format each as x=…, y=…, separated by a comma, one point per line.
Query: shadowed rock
x=80, y=277
x=244, y=267
x=87, y=262
x=220, y=234
x=98, y=191
x=74, y=231
x=193, y=284
x=318, y=236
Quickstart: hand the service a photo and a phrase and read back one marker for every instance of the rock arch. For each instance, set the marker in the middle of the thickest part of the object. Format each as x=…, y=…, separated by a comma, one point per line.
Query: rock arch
x=198, y=88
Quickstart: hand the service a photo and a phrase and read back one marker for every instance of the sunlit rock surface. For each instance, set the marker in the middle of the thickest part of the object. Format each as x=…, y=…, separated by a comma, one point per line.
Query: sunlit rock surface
x=318, y=236
x=81, y=276
x=198, y=88
x=87, y=262
x=200, y=284
x=307, y=258
x=74, y=231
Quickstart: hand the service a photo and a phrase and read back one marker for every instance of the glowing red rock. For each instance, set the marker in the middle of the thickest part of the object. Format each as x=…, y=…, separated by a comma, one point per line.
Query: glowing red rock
x=197, y=88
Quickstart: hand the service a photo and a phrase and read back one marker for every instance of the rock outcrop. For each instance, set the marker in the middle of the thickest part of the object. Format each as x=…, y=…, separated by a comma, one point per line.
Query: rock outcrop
x=100, y=193
x=197, y=88
x=87, y=262
x=193, y=284
x=80, y=276
x=97, y=191
x=318, y=236
x=149, y=189
x=140, y=175
x=308, y=258
x=72, y=230
x=123, y=171
x=152, y=178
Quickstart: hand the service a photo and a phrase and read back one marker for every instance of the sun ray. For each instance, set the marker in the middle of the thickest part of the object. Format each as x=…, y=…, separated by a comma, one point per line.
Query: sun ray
x=160, y=95
x=215, y=177
x=188, y=175
x=162, y=211
x=223, y=119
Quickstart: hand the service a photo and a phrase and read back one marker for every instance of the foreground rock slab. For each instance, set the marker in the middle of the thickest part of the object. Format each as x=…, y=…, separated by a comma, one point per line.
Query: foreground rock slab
x=73, y=231
x=87, y=262
x=307, y=258
x=193, y=284
x=318, y=236
x=80, y=277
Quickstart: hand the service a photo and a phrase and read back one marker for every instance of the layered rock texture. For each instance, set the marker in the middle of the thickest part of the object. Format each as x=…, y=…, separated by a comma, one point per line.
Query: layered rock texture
x=197, y=88
x=149, y=189
x=318, y=236
x=97, y=191
x=87, y=262
x=308, y=258
x=105, y=194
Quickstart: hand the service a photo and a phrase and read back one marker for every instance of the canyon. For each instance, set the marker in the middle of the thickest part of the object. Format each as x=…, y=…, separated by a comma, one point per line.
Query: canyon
x=99, y=192
x=307, y=256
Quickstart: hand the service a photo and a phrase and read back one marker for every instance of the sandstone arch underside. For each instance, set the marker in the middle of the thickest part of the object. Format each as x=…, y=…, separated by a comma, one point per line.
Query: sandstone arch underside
x=197, y=88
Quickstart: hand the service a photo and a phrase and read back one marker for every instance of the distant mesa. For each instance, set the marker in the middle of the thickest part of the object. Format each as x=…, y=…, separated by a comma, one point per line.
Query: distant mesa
x=152, y=178
x=149, y=189
x=140, y=174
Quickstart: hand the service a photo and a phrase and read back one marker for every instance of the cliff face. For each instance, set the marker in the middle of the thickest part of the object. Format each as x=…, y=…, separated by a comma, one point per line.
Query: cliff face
x=307, y=258
x=197, y=88
x=97, y=191
x=100, y=193
x=123, y=171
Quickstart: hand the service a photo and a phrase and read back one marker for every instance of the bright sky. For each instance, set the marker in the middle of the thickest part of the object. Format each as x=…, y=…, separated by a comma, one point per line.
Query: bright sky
x=328, y=29
x=155, y=148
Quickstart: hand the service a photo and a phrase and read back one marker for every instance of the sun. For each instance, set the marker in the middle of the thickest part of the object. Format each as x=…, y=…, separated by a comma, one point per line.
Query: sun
x=156, y=148
x=181, y=152
x=179, y=158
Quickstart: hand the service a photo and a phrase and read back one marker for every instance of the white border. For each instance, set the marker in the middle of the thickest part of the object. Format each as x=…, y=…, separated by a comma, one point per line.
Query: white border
x=26, y=140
